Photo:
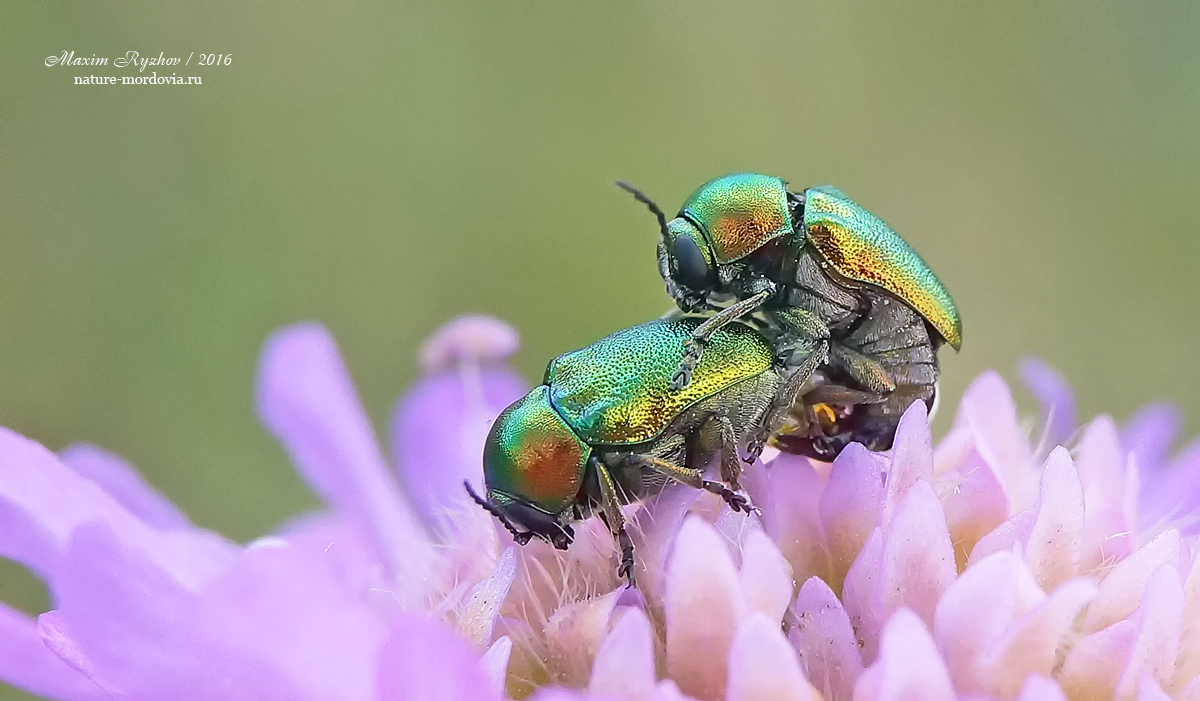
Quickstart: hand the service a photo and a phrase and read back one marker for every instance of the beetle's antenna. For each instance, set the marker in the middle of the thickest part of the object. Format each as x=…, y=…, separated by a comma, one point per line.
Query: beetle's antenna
x=521, y=538
x=641, y=197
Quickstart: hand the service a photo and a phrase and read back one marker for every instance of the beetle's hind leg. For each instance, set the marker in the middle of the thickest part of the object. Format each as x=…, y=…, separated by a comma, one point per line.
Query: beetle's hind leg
x=704, y=333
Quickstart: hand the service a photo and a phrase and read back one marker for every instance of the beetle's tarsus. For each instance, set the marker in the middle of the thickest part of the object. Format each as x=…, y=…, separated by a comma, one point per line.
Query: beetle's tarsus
x=626, y=569
x=691, y=358
x=736, y=500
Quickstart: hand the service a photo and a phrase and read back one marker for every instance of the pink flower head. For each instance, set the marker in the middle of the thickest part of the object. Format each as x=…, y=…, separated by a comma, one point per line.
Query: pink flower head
x=994, y=565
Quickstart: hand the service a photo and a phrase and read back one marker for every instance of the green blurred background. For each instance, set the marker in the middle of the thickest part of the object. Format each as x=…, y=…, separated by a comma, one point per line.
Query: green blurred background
x=382, y=167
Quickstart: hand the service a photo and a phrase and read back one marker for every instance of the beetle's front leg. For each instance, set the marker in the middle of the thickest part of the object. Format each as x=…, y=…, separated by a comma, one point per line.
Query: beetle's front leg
x=694, y=348
x=611, y=507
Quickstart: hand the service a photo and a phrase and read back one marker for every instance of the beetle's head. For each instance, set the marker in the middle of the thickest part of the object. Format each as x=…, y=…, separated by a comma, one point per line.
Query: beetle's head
x=685, y=258
x=533, y=466
x=685, y=261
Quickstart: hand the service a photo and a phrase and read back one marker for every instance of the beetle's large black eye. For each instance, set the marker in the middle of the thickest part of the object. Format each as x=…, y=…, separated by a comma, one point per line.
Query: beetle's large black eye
x=690, y=268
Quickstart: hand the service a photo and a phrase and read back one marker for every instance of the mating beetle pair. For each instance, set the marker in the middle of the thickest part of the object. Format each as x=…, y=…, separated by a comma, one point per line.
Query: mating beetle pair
x=850, y=321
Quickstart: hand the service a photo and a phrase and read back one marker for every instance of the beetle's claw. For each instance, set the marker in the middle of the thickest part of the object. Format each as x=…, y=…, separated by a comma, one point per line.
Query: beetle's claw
x=682, y=378
x=691, y=358
x=625, y=571
x=756, y=445
x=744, y=504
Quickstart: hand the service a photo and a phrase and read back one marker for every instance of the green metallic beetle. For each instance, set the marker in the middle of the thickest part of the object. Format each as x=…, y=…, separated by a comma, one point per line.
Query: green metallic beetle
x=606, y=427
x=816, y=267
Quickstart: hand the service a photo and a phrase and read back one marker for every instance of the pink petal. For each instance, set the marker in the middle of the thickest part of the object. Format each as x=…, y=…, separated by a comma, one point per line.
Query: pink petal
x=125, y=485
x=850, y=506
x=1041, y=689
x=307, y=399
x=953, y=449
x=1121, y=590
x=1031, y=644
x=975, y=612
x=624, y=666
x=438, y=431
x=988, y=411
x=918, y=561
x=1094, y=665
x=495, y=663
x=860, y=595
x=471, y=337
x=975, y=504
x=289, y=609
x=762, y=666
x=653, y=530
x=126, y=623
x=1149, y=690
x=825, y=640
x=766, y=577
x=1173, y=493
x=42, y=503
x=1159, y=623
x=1101, y=464
x=1010, y=535
x=1055, y=395
x=423, y=659
x=704, y=605
x=1055, y=546
x=26, y=663
x=1190, y=692
x=1189, y=645
x=909, y=667
x=788, y=491
x=912, y=458
x=574, y=634
x=1148, y=434
x=478, y=616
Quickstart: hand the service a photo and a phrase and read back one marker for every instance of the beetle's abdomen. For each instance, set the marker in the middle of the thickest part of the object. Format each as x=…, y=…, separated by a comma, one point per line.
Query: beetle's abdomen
x=861, y=247
x=617, y=391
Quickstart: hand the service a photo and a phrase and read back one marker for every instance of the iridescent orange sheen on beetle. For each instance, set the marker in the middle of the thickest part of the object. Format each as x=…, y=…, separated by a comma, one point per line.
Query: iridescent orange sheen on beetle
x=861, y=247
x=532, y=453
x=739, y=213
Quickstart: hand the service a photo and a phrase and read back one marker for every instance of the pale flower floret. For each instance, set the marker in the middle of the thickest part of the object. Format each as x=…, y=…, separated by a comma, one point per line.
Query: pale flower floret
x=995, y=564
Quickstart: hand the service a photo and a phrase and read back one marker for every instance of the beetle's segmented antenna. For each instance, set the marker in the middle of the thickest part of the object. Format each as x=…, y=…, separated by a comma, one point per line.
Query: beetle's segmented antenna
x=518, y=536
x=641, y=197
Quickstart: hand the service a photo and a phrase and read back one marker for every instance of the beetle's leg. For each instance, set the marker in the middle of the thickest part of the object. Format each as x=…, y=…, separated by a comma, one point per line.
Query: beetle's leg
x=799, y=323
x=693, y=478
x=704, y=332
x=615, y=520
x=783, y=400
x=863, y=369
x=731, y=467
